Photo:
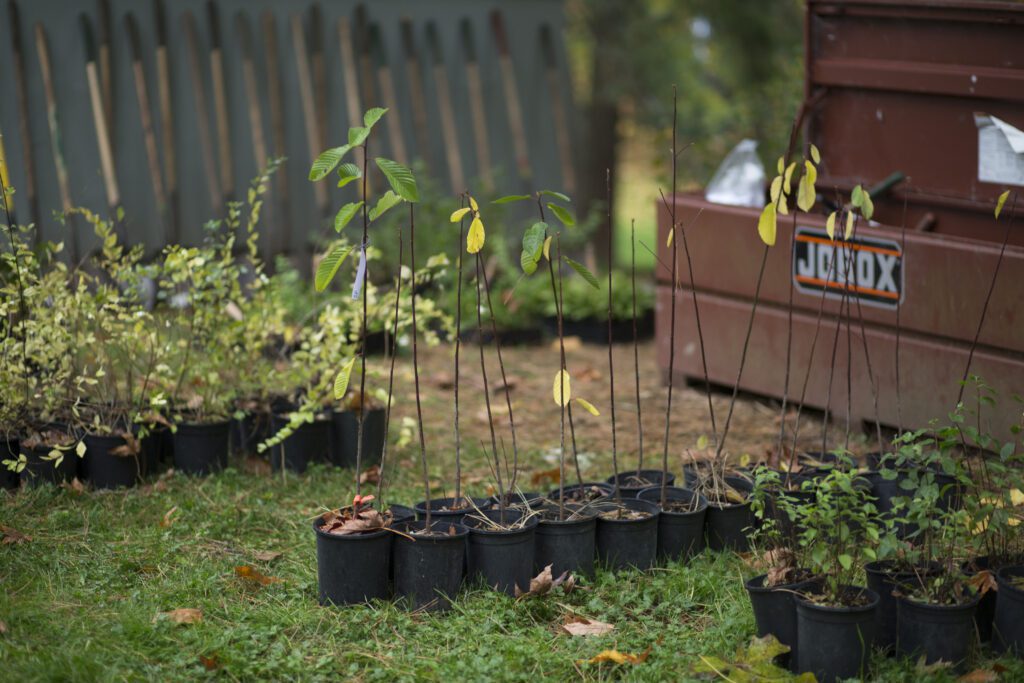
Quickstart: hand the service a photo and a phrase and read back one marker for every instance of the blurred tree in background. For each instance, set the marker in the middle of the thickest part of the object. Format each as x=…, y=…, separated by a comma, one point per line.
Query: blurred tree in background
x=738, y=67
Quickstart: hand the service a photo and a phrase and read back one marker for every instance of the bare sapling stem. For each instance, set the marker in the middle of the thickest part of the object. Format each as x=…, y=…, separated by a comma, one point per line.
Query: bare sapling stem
x=867, y=363
x=507, y=389
x=672, y=315
x=789, y=342
x=847, y=257
x=487, y=389
x=362, y=331
x=899, y=308
x=416, y=367
x=636, y=352
x=458, y=347
x=391, y=370
x=988, y=299
x=611, y=363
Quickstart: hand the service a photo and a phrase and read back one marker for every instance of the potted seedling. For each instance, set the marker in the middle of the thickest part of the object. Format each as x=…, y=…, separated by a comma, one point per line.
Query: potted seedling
x=836, y=618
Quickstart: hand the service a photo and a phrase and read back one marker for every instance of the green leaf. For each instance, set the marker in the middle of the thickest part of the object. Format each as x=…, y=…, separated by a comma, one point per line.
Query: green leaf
x=1001, y=201
x=401, y=179
x=830, y=226
x=849, y=226
x=533, y=247
x=557, y=195
x=766, y=224
x=805, y=193
x=341, y=381
x=562, y=214
x=372, y=116
x=329, y=265
x=846, y=561
x=347, y=173
x=511, y=198
x=867, y=206
x=815, y=154
x=346, y=214
x=387, y=201
x=857, y=196
x=582, y=270
x=326, y=162
x=357, y=135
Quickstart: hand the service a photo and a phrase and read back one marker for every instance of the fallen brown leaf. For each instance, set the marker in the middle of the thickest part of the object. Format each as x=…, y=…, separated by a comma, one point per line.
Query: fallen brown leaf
x=983, y=582
x=588, y=374
x=344, y=523
x=12, y=536
x=539, y=477
x=168, y=517
x=183, y=615
x=371, y=475
x=210, y=663
x=267, y=555
x=616, y=657
x=3, y=627
x=75, y=485
x=253, y=576
x=544, y=583
x=581, y=626
x=979, y=676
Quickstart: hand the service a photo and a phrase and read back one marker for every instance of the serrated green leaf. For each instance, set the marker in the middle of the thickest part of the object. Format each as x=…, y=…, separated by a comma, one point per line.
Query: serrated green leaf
x=1001, y=202
x=341, y=380
x=556, y=195
x=562, y=214
x=346, y=214
x=387, y=201
x=327, y=161
x=347, y=173
x=402, y=181
x=583, y=271
x=329, y=265
x=528, y=264
x=372, y=116
x=766, y=224
x=357, y=135
x=511, y=198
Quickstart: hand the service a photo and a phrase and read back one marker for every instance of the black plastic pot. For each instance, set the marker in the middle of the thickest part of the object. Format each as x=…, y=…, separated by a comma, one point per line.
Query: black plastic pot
x=775, y=611
x=595, y=330
x=1008, y=625
x=38, y=471
x=629, y=486
x=627, y=543
x=438, y=511
x=249, y=431
x=567, y=545
x=834, y=643
x=727, y=525
x=345, y=435
x=310, y=442
x=428, y=569
x=103, y=469
x=595, y=490
x=511, y=337
x=986, y=611
x=883, y=579
x=9, y=449
x=680, y=534
x=201, y=448
x=352, y=569
x=502, y=559
x=938, y=632
x=401, y=513
x=152, y=450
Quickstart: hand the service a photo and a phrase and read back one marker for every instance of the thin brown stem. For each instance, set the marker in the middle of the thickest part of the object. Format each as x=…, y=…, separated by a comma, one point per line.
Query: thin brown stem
x=611, y=363
x=416, y=368
x=362, y=334
x=391, y=370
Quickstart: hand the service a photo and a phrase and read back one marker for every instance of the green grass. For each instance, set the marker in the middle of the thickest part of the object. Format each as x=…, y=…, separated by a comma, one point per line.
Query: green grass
x=81, y=600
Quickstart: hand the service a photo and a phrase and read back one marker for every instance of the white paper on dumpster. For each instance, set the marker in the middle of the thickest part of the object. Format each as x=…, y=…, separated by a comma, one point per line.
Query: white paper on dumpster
x=740, y=180
x=1000, y=151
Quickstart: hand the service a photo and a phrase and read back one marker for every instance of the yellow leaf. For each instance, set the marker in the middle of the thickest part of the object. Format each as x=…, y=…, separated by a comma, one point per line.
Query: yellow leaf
x=775, y=188
x=562, y=390
x=702, y=442
x=1000, y=202
x=588, y=406
x=815, y=154
x=830, y=225
x=766, y=225
x=459, y=214
x=1016, y=497
x=780, y=164
x=789, y=177
x=547, y=248
x=805, y=190
x=671, y=235
x=475, y=238
x=849, y=226
x=473, y=204
x=616, y=657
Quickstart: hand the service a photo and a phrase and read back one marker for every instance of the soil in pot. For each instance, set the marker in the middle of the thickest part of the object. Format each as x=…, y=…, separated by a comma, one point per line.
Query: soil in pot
x=9, y=449
x=681, y=522
x=1008, y=624
x=567, y=543
x=834, y=642
x=632, y=482
x=885, y=578
x=429, y=563
x=520, y=500
x=729, y=521
x=201, y=448
x=501, y=548
x=627, y=533
x=775, y=610
x=352, y=568
x=448, y=509
x=345, y=437
x=938, y=632
x=110, y=462
x=310, y=442
x=587, y=492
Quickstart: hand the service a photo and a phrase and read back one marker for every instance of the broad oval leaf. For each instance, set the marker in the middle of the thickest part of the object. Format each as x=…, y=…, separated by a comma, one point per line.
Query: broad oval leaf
x=475, y=238
x=766, y=224
x=401, y=179
x=815, y=154
x=787, y=183
x=867, y=207
x=805, y=193
x=346, y=214
x=562, y=214
x=857, y=196
x=357, y=135
x=327, y=162
x=459, y=214
x=547, y=248
x=849, y=225
x=347, y=173
x=562, y=389
x=556, y=195
x=533, y=246
x=528, y=263
x=671, y=237
x=372, y=116
x=584, y=273
x=472, y=204
x=511, y=198
x=387, y=201
x=830, y=226
x=329, y=266
x=589, y=407
x=1001, y=202
x=341, y=380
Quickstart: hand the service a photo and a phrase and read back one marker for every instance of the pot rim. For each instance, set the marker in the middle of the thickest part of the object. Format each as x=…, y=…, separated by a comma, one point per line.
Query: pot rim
x=461, y=532
x=1003, y=575
x=652, y=508
x=348, y=537
x=702, y=502
x=801, y=600
x=932, y=607
x=749, y=584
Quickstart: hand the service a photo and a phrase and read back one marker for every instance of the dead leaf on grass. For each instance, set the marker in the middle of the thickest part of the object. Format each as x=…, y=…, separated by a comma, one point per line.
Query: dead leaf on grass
x=3, y=627
x=267, y=555
x=75, y=485
x=183, y=615
x=210, y=663
x=544, y=583
x=13, y=536
x=581, y=626
x=168, y=519
x=616, y=657
x=541, y=476
x=371, y=475
x=344, y=523
x=979, y=676
x=253, y=576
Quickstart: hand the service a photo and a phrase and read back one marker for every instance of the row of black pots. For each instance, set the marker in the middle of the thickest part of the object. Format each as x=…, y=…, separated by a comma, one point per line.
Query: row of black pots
x=331, y=437
x=595, y=330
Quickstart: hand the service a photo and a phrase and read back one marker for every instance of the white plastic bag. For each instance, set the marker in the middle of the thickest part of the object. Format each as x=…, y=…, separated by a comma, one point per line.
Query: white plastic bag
x=740, y=180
